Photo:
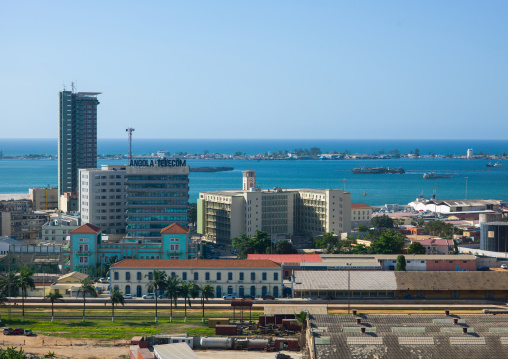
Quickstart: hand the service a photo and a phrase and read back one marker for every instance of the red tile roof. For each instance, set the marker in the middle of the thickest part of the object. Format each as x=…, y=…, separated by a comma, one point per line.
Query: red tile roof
x=360, y=206
x=194, y=263
x=287, y=258
x=87, y=228
x=175, y=228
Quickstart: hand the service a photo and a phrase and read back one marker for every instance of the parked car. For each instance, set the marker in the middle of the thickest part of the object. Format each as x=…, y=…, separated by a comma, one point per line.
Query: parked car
x=229, y=297
x=483, y=268
x=7, y=331
x=282, y=356
x=149, y=296
x=504, y=266
x=265, y=297
x=17, y=331
x=250, y=297
x=103, y=280
x=28, y=332
x=127, y=296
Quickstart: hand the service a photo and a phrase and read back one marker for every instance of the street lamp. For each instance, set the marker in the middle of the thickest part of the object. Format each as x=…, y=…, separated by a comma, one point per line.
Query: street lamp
x=348, y=287
x=344, y=184
x=466, y=185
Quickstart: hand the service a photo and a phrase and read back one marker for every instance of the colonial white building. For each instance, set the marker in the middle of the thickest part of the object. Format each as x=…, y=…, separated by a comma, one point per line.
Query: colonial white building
x=226, y=276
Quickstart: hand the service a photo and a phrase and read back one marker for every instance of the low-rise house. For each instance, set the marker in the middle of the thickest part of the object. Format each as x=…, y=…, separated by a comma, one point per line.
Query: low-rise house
x=437, y=245
x=227, y=276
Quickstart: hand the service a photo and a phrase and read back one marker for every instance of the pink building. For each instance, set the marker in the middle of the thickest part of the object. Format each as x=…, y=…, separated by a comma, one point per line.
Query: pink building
x=437, y=245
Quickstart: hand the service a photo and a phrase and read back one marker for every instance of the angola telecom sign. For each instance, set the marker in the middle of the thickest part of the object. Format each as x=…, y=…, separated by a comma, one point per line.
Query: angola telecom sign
x=158, y=163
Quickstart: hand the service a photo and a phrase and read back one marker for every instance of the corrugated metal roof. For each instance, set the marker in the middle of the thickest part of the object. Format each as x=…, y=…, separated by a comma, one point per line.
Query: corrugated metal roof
x=288, y=258
x=174, y=351
x=194, y=263
x=338, y=280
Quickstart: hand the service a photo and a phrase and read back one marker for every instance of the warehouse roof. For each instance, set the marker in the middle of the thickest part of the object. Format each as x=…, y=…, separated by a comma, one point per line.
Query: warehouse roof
x=288, y=258
x=376, y=280
x=194, y=263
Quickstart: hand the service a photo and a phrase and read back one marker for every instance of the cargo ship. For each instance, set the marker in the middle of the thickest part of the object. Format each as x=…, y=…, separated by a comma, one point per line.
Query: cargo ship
x=433, y=175
x=378, y=170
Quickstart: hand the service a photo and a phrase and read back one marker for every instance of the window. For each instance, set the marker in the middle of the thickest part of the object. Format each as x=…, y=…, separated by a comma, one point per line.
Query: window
x=252, y=275
x=184, y=276
x=241, y=276
x=150, y=275
x=263, y=276
x=196, y=276
x=116, y=276
x=138, y=276
x=275, y=276
x=207, y=276
x=82, y=239
x=127, y=289
x=83, y=260
x=174, y=240
x=219, y=276
x=127, y=275
x=173, y=274
x=174, y=247
x=230, y=275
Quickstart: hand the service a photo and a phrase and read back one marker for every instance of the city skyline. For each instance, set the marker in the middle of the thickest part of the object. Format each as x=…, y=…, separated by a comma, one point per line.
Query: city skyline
x=264, y=70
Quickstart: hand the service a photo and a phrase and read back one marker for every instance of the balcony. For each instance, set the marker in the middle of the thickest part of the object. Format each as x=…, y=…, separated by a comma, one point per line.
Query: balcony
x=83, y=253
x=175, y=252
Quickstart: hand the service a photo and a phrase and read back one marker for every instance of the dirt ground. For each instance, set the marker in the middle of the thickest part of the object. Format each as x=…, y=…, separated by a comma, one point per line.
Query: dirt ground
x=68, y=348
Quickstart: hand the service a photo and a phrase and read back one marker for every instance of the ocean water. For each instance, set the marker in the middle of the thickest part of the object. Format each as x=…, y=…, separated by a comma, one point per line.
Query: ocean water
x=14, y=147
x=16, y=176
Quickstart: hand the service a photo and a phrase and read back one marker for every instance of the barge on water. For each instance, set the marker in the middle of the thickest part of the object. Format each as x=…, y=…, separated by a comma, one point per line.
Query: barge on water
x=378, y=170
x=433, y=175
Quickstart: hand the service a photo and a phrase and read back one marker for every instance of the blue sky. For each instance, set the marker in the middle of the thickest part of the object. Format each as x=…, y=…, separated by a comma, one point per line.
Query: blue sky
x=259, y=69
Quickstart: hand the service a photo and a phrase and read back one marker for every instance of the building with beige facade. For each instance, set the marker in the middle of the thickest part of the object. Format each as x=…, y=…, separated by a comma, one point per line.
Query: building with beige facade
x=232, y=276
x=223, y=215
x=44, y=199
x=360, y=214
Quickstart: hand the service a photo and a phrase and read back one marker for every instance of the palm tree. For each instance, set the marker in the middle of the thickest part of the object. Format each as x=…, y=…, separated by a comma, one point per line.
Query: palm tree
x=206, y=293
x=116, y=297
x=87, y=287
x=9, y=281
x=53, y=297
x=157, y=282
x=172, y=287
x=25, y=281
x=185, y=291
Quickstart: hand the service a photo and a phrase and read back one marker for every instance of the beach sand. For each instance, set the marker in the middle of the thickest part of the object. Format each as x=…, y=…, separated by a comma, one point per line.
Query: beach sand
x=9, y=196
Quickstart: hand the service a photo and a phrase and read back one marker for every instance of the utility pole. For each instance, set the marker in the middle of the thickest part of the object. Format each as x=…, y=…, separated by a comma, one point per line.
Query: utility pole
x=130, y=130
x=466, y=185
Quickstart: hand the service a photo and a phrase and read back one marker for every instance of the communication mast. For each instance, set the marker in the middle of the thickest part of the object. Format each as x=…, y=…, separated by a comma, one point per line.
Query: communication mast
x=130, y=130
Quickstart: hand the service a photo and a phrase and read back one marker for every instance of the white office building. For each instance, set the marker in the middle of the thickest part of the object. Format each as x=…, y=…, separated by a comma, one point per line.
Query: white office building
x=102, y=197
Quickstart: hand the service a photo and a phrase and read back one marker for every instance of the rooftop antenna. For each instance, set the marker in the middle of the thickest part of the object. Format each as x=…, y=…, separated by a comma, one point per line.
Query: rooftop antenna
x=72, y=87
x=64, y=86
x=130, y=130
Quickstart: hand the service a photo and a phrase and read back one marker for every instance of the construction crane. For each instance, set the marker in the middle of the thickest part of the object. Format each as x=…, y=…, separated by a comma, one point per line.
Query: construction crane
x=130, y=130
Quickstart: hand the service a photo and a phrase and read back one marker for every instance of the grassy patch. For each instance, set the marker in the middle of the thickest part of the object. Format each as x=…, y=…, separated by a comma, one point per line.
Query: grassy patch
x=128, y=323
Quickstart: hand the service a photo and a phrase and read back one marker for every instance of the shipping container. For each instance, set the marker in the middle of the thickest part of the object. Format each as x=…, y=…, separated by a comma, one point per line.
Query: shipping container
x=228, y=330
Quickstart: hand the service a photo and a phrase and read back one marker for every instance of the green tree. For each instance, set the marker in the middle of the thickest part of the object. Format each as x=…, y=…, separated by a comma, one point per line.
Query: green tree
x=381, y=222
x=416, y=248
x=25, y=282
x=401, y=263
x=155, y=284
x=438, y=228
x=116, y=298
x=326, y=240
x=9, y=283
x=206, y=293
x=258, y=244
x=172, y=287
x=389, y=242
x=87, y=287
x=362, y=228
x=185, y=291
x=284, y=247
x=12, y=353
x=53, y=297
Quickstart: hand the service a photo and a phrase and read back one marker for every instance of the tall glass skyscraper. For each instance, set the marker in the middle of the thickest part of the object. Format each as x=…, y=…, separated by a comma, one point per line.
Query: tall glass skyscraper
x=156, y=197
x=77, y=137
